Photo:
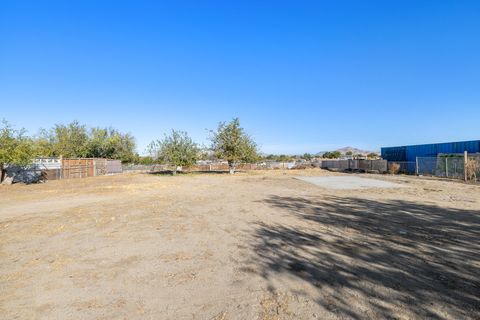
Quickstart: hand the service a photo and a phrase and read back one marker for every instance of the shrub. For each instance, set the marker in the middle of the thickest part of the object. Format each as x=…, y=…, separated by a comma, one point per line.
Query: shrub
x=472, y=167
x=393, y=168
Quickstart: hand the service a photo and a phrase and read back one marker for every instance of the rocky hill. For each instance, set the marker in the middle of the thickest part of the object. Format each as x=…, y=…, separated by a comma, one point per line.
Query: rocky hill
x=354, y=151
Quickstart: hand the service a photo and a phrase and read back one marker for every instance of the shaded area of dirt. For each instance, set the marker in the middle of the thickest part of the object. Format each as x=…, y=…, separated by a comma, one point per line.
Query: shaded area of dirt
x=395, y=258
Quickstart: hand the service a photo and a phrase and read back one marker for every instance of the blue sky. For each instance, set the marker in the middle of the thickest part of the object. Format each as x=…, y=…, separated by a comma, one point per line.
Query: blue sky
x=303, y=76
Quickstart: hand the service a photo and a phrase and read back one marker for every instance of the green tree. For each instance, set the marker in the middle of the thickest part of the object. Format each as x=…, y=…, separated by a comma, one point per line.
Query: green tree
x=111, y=143
x=75, y=140
x=307, y=156
x=284, y=158
x=349, y=153
x=332, y=155
x=70, y=140
x=177, y=149
x=372, y=155
x=44, y=143
x=15, y=148
x=231, y=143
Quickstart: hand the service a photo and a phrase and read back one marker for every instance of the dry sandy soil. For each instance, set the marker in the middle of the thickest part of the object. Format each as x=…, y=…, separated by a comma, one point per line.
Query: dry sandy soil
x=258, y=245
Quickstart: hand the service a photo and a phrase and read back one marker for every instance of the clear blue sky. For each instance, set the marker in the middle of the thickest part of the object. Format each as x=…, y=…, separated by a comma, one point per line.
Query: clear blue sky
x=303, y=76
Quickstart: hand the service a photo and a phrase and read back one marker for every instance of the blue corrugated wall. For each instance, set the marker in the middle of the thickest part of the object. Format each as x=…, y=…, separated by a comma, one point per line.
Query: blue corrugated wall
x=410, y=153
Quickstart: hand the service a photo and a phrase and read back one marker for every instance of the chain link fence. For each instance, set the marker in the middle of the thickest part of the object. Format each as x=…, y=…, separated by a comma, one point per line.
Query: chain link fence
x=442, y=166
x=451, y=166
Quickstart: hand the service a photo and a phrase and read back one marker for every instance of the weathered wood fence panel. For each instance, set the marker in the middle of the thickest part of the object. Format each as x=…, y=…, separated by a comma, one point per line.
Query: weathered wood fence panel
x=83, y=167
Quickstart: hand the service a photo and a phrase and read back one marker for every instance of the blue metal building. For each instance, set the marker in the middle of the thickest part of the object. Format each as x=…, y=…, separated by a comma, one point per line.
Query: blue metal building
x=410, y=153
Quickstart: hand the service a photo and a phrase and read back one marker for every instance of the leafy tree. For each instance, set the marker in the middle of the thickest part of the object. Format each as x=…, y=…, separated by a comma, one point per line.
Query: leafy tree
x=206, y=153
x=15, y=148
x=281, y=157
x=284, y=158
x=372, y=155
x=349, y=153
x=231, y=143
x=307, y=156
x=74, y=140
x=70, y=140
x=177, y=149
x=44, y=143
x=112, y=144
x=332, y=155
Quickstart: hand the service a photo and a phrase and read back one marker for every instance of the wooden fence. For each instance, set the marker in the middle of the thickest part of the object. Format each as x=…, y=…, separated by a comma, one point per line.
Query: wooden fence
x=83, y=167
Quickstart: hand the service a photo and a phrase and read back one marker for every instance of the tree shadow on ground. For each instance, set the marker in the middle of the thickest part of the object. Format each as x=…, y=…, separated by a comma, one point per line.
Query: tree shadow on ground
x=392, y=258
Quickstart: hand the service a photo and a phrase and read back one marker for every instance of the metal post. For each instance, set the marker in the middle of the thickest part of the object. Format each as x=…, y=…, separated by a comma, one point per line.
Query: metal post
x=416, y=166
x=446, y=167
x=465, y=163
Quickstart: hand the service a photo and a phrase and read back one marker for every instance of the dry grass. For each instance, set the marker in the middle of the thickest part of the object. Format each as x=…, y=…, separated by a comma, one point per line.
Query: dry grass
x=393, y=168
x=472, y=167
x=255, y=245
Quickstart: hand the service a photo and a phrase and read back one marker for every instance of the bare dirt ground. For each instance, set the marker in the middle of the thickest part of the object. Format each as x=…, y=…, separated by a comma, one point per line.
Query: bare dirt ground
x=258, y=245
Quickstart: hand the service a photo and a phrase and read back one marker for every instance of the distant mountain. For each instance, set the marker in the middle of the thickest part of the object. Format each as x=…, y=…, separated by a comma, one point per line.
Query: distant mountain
x=354, y=151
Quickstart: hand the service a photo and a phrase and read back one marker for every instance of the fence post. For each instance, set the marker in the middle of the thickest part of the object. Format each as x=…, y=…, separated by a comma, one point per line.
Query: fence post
x=446, y=167
x=416, y=166
x=465, y=163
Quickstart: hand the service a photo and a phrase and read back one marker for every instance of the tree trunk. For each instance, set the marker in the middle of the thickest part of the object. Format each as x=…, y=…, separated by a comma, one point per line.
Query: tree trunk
x=2, y=173
x=231, y=166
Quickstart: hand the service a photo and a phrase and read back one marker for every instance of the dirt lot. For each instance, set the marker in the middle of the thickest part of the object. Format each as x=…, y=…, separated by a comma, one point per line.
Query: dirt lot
x=258, y=245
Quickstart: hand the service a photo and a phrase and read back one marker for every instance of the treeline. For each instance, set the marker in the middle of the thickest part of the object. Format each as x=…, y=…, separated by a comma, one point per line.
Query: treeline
x=73, y=140
x=229, y=142
x=325, y=155
x=287, y=158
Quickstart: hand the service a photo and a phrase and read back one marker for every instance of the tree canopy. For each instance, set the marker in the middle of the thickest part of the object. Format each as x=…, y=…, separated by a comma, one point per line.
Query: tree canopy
x=176, y=149
x=75, y=140
x=111, y=143
x=307, y=156
x=231, y=143
x=332, y=155
x=15, y=147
